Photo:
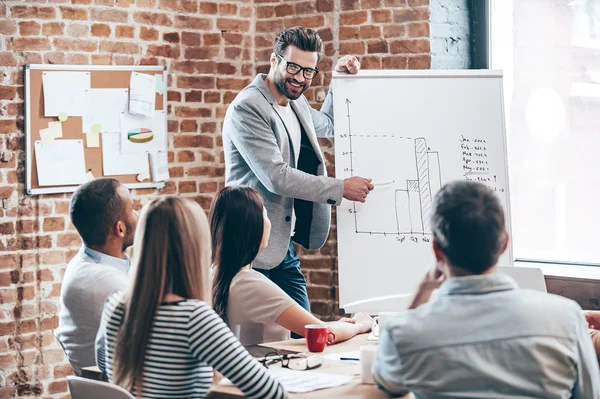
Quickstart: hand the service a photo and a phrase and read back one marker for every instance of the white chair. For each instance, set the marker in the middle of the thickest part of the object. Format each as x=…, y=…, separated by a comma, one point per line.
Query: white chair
x=83, y=388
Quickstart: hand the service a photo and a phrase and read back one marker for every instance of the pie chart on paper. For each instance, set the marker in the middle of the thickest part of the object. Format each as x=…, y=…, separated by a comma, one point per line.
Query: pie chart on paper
x=139, y=136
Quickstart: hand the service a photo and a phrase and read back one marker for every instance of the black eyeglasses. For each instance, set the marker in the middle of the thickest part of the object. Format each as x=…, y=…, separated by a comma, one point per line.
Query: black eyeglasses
x=295, y=361
x=295, y=69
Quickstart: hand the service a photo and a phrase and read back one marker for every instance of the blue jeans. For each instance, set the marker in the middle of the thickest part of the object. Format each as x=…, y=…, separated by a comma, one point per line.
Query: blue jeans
x=289, y=278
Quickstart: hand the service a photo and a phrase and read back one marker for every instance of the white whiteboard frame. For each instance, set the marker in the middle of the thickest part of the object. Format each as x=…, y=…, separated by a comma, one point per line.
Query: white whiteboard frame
x=28, y=147
x=400, y=301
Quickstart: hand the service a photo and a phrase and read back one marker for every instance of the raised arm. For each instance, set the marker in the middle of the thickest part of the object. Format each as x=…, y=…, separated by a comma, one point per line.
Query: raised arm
x=253, y=137
x=211, y=341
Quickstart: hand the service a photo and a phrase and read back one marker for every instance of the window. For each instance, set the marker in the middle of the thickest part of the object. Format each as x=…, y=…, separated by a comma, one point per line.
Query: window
x=550, y=53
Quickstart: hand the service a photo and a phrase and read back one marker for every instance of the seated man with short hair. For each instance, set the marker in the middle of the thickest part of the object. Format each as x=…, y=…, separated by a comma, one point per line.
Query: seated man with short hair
x=483, y=337
x=102, y=212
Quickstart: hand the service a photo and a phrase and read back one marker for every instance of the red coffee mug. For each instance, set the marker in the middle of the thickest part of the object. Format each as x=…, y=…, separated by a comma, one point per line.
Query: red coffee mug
x=317, y=337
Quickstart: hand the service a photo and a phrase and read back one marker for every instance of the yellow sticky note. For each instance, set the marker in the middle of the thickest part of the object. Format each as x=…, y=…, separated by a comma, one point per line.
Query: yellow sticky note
x=93, y=139
x=56, y=128
x=63, y=116
x=96, y=127
x=47, y=136
x=89, y=176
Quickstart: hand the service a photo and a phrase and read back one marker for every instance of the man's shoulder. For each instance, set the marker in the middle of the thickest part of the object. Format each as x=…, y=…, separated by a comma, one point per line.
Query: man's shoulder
x=83, y=273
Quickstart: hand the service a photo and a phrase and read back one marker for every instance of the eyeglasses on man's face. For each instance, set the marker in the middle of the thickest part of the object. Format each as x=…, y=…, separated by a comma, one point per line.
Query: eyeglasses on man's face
x=294, y=69
x=295, y=361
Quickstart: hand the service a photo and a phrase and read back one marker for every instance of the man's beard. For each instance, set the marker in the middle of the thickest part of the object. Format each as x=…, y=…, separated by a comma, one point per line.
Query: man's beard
x=128, y=241
x=281, y=85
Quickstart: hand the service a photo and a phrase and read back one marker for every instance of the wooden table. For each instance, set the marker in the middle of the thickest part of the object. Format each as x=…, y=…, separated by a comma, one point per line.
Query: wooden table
x=353, y=390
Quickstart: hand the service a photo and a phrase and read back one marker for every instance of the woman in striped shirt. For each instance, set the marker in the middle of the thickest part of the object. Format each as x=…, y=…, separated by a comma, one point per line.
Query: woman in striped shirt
x=161, y=338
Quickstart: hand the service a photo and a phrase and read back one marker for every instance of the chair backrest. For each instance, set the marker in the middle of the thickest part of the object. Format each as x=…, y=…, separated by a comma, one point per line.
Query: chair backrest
x=83, y=388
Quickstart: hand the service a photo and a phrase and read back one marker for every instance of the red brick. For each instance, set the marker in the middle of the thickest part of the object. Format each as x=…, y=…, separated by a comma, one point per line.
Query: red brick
x=66, y=240
x=411, y=15
x=208, y=8
x=53, y=258
x=78, y=30
x=30, y=44
x=171, y=37
x=410, y=46
x=125, y=31
x=173, y=96
x=58, y=387
x=176, y=171
x=185, y=156
x=370, y=62
x=305, y=7
x=163, y=51
x=325, y=5
x=193, y=141
x=419, y=62
x=353, y=18
x=395, y=3
x=381, y=16
x=201, y=53
x=109, y=15
x=316, y=21
x=8, y=59
x=149, y=34
x=420, y=29
x=370, y=32
x=350, y=5
x=29, y=28
x=188, y=126
x=53, y=29
x=54, y=224
x=231, y=83
x=284, y=10
x=187, y=112
x=265, y=12
x=226, y=68
x=316, y=293
x=212, y=97
x=27, y=226
x=75, y=45
x=145, y=3
x=24, y=12
x=352, y=48
x=125, y=3
x=187, y=187
x=62, y=371
x=232, y=53
x=190, y=6
x=78, y=59
x=182, y=21
x=8, y=92
x=171, y=188
x=270, y=26
x=6, y=191
x=416, y=3
x=190, y=39
x=398, y=62
x=367, y=4
x=7, y=228
x=74, y=13
x=120, y=47
x=124, y=60
x=377, y=46
x=234, y=24
x=168, y=4
x=195, y=82
x=193, y=96
x=394, y=30
x=348, y=32
x=211, y=39
x=152, y=18
x=101, y=30
x=101, y=59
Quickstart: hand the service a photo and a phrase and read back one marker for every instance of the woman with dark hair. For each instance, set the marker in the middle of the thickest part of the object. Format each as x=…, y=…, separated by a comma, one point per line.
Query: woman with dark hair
x=245, y=298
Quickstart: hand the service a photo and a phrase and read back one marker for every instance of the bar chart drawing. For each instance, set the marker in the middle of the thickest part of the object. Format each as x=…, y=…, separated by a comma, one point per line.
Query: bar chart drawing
x=412, y=198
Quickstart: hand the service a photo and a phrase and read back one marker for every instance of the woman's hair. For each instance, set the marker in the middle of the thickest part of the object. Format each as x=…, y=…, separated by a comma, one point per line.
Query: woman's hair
x=172, y=255
x=236, y=225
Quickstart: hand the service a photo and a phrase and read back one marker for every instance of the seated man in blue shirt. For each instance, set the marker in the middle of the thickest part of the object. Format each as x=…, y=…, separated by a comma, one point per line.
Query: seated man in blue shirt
x=483, y=337
x=102, y=212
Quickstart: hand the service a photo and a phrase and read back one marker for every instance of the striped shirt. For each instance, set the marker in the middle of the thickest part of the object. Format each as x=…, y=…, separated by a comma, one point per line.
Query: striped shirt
x=187, y=340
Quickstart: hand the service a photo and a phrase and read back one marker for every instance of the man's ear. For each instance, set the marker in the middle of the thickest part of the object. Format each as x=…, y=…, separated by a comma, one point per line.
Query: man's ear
x=505, y=245
x=120, y=229
x=273, y=60
x=439, y=255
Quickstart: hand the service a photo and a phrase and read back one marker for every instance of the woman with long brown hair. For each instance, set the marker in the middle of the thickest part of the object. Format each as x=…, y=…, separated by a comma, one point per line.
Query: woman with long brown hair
x=161, y=337
x=251, y=304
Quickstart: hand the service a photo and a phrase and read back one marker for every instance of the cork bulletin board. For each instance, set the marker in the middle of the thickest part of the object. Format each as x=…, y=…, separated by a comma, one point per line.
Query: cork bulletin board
x=109, y=77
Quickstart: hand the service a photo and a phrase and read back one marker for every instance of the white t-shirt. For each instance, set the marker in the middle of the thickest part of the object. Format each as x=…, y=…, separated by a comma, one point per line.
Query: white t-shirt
x=292, y=125
x=255, y=303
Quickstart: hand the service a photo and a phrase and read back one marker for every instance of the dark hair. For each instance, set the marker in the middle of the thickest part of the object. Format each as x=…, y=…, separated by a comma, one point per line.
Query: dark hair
x=95, y=208
x=304, y=39
x=236, y=226
x=468, y=225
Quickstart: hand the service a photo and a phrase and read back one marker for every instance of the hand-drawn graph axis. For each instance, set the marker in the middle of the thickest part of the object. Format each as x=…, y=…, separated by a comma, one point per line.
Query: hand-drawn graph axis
x=418, y=192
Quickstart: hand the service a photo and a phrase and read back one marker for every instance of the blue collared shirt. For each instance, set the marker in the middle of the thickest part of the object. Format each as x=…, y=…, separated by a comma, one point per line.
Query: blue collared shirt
x=122, y=265
x=483, y=337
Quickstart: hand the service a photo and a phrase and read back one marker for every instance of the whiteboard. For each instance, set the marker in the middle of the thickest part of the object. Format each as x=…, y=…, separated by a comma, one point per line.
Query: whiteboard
x=411, y=132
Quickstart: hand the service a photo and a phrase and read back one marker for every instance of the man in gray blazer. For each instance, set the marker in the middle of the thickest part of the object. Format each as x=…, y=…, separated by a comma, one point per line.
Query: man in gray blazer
x=270, y=141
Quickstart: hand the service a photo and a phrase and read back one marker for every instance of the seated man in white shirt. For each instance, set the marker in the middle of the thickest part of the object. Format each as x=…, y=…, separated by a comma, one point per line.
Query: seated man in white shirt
x=483, y=337
x=102, y=212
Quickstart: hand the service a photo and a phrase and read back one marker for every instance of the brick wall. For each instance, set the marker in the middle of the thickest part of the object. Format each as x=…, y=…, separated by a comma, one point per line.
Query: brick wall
x=207, y=47
x=212, y=50
x=450, y=33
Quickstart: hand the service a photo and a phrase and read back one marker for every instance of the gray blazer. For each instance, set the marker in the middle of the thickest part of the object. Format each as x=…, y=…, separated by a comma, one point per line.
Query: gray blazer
x=259, y=153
